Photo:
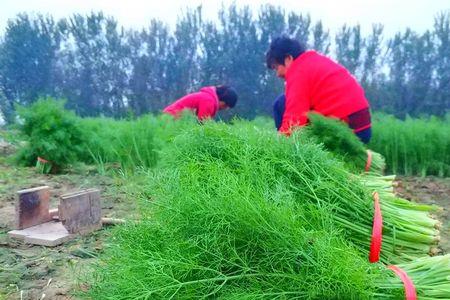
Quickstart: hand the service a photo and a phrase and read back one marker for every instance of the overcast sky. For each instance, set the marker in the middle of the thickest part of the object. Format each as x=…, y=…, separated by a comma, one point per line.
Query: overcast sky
x=396, y=15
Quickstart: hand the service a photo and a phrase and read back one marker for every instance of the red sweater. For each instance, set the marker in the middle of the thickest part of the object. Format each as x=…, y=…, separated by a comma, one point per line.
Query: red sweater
x=205, y=103
x=316, y=83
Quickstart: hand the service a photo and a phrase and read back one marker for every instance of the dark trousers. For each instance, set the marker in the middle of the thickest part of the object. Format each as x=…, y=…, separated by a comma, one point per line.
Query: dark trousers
x=278, y=110
x=280, y=105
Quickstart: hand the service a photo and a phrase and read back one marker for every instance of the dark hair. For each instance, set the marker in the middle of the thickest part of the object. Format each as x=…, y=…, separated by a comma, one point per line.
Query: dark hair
x=227, y=94
x=280, y=48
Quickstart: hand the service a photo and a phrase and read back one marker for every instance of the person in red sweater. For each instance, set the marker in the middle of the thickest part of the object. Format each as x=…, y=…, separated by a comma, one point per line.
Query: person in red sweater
x=205, y=103
x=315, y=83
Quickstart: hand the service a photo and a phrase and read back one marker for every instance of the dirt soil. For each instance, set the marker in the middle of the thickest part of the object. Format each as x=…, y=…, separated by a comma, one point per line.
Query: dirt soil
x=36, y=272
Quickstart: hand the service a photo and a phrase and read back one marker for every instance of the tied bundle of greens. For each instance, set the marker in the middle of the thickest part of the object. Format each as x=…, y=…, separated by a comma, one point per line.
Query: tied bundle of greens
x=430, y=276
x=338, y=138
x=412, y=231
x=417, y=221
x=314, y=176
x=237, y=213
x=216, y=234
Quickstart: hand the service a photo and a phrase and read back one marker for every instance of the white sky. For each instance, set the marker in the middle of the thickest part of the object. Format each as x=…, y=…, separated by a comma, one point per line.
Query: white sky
x=396, y=15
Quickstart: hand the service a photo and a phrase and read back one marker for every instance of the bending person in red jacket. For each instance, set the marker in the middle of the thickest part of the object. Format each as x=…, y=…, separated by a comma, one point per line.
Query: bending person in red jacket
x=205, y=103
x=316, y=83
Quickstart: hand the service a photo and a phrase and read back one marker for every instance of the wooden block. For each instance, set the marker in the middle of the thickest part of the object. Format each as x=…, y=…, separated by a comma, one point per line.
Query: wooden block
x=46, y=234
x=32, y=207
x=81, y=212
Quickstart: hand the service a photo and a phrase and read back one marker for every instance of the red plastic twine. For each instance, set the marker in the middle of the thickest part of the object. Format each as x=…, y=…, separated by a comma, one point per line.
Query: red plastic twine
x=377, y=228
x=369, y=160
x=40, y=159
x=410, y=289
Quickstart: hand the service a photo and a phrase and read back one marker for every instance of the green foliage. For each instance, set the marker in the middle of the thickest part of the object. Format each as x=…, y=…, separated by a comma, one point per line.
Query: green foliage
x=335, y=135
x=51, y=133
x=58, y=136
x=234, y=246
x=94, y=69
x=349, y=47
x=238, y=212
x=312, y=175
x=104, y=70
x=413, y=146
x=226, y=222
x=27, y=59
x=339, y=139
x=130, y=144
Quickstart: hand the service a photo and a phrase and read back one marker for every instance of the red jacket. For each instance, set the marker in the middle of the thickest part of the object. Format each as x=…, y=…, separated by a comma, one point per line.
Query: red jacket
x=316, y=83
x=204, y=103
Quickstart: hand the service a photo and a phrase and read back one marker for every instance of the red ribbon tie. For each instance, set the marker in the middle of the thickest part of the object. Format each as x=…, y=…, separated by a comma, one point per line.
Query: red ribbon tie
x=377, y=231
x=410, y=289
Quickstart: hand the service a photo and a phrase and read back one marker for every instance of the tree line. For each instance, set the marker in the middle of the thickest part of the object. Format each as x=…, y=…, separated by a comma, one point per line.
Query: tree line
x=102, y=68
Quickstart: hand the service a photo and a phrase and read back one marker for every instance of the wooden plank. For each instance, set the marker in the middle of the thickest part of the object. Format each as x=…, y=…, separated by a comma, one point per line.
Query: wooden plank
x=32, y=207
x=80, y=212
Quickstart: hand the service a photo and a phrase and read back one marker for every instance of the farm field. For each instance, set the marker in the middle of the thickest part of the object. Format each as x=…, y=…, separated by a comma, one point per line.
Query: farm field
x=142, y=166
x=30, y=268
x=236, y=151
x=30, y=271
